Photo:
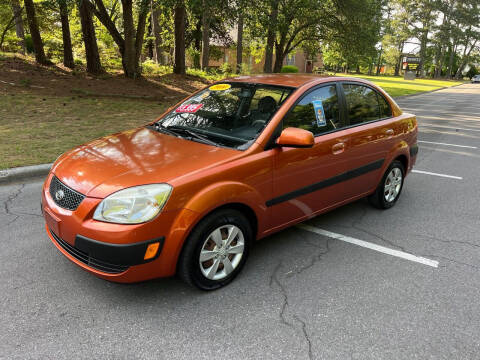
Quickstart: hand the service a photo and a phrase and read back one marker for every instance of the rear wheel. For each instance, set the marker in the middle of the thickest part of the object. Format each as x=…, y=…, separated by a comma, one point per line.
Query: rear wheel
x=216, y=250
x=389, y=189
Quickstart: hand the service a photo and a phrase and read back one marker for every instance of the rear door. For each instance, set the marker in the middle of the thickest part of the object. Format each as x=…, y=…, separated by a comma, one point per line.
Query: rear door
x=372, y=137
x=305, y=180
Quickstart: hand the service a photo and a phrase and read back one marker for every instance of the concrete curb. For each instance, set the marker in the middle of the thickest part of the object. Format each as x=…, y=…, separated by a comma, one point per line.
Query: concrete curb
x=24, y=172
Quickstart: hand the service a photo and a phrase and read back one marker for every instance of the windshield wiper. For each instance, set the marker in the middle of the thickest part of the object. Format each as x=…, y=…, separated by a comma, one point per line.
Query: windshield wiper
x=193, y=134
x=165, y=130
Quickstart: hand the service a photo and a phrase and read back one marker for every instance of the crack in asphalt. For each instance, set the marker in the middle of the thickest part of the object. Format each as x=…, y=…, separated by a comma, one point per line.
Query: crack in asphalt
x=285, y=305
x=9, y=201
x=17, y=214
x=447, y=241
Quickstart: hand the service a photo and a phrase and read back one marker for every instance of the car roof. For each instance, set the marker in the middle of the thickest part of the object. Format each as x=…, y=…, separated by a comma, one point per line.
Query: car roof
x=292, y=80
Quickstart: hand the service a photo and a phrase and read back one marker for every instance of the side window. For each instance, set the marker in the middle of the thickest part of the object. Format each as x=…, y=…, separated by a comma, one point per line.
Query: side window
x=362, y=103
x=317, y=112
x=385, y=109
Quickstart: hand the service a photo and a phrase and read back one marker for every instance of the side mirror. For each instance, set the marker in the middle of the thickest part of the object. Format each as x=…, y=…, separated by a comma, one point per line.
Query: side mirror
x=295, y=137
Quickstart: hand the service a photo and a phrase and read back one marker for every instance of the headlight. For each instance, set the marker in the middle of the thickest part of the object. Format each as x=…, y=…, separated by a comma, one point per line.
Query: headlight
x=133, y=205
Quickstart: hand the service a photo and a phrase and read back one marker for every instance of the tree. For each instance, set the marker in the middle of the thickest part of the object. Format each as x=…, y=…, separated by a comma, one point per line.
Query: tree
x=89, y=37
x=240, y=40
x=17, y=14
x=130, y=45
x=179, y=20
x=271, y=32
x=205, y=34
x=35, y=33
x=67, y=41
x=157, y=41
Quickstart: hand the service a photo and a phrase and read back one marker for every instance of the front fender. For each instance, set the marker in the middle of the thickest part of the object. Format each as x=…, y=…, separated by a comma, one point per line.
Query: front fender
x=230, y=192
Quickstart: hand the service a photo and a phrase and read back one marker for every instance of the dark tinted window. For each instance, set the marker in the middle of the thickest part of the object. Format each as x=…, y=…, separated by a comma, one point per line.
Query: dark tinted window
x=385, y=109
x=317, y=112
x=362, y=103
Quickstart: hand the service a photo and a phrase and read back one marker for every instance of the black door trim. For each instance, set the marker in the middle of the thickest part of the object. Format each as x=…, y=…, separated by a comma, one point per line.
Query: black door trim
x=350, y=174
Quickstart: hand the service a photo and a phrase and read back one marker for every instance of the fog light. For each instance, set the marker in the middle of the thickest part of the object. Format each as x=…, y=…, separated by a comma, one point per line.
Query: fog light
x=151, y=251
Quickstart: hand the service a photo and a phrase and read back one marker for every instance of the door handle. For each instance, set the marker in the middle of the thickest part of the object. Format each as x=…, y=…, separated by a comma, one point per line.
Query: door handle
x=338, y=148
x=389, y=132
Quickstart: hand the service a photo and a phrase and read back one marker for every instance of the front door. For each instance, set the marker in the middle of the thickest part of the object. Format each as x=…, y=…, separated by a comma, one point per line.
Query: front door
x=306, y=181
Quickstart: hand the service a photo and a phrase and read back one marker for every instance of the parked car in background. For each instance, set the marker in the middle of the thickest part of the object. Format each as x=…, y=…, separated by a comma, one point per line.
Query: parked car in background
x=476, y=79
x=189, y=193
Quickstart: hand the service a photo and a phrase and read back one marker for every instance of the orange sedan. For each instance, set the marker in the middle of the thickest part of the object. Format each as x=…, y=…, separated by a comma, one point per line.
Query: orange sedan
x=239, y=160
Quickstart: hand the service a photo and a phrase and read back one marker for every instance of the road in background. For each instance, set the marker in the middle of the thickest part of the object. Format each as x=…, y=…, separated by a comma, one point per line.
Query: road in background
x=301, y=296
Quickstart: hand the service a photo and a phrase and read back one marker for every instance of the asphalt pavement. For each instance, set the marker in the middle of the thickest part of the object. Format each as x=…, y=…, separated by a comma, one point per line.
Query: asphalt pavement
x=301, y=295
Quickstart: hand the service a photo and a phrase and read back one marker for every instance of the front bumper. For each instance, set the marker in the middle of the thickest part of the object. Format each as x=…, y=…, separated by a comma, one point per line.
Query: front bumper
x=104, y=257
x=116, y=252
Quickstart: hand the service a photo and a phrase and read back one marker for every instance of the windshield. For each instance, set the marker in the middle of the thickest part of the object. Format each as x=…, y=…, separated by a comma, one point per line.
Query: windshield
x=227, y=114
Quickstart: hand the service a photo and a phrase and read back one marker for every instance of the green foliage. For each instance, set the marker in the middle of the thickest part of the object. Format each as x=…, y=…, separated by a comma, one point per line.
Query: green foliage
x=149, y=67
x=29, y=43
x=472, y=72
x=215, y=53
x=226, y=68
x=289, y=69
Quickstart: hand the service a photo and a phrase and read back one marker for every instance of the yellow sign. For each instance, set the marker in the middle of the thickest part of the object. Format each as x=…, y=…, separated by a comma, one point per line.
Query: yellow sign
x=220, y=87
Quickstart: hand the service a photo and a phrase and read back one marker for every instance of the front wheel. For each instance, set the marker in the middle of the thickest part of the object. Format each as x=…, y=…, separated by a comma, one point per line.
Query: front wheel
x=389, y=189
x=216, y=250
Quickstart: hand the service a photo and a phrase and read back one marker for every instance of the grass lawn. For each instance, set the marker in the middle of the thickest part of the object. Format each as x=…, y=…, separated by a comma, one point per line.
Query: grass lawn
x=36, y=129
x=397, y=86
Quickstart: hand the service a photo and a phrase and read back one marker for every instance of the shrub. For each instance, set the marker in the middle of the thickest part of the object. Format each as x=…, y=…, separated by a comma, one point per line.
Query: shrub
x=472, y=72
x=289, y=69
x=226, y=68
x=149, y=67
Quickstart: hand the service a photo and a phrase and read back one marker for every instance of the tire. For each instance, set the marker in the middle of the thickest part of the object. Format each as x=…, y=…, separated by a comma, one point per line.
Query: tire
x=380, y=198
x=210, y=239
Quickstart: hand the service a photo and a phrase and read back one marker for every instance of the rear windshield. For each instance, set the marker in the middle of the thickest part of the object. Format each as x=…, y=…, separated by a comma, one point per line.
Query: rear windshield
x=229, y=114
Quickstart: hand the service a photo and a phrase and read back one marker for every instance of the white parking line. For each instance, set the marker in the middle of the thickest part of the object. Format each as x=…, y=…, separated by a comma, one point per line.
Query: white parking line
x=446, y=127
x=446, y=144
x=437, y=174
x=368, y=245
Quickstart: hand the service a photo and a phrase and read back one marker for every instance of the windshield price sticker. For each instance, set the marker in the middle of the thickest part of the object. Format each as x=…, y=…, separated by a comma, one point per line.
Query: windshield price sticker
x=220, y=87
x=189, y=108
x=319, y=113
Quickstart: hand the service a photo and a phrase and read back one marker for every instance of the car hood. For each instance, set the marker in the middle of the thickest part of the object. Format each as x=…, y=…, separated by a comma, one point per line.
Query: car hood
x=134, y=157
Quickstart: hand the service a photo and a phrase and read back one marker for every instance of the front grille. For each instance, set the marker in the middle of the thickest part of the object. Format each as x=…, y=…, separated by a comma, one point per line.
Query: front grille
x=64, y=196
x=88, y=260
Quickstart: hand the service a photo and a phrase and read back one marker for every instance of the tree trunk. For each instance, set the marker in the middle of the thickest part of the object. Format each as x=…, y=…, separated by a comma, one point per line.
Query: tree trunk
x=67, y=41
x=379, y=61
x=399, y=62
x=35, y=33
x=240, y=42
x=89, y=38
x=423, y=50
x=279, y=57
x=19, y=30
x=267, y=67
x=142, y=21
x=128, y=59
x=205, y=36
x=179, y=19
x=197, y=43
x=157, y=50
x=453, y=49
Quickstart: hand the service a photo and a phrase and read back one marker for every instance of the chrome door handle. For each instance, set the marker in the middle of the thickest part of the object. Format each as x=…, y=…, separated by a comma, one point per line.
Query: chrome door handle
x=389, y=132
